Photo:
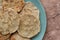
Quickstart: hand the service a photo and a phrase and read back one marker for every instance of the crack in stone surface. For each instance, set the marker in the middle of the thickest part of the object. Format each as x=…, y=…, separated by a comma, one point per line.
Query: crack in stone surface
x=56, y=16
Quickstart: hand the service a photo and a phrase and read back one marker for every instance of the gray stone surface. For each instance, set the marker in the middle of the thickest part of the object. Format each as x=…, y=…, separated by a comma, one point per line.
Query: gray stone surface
x=52, y=8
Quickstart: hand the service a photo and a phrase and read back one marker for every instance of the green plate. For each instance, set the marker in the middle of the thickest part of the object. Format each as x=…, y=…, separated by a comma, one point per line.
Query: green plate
x=43, y=21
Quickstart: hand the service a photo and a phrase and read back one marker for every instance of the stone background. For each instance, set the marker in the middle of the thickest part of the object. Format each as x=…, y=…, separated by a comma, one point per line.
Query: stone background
x=52, y=8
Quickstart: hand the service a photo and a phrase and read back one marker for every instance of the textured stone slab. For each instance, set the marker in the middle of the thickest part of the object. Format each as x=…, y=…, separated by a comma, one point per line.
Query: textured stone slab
x=52, y=8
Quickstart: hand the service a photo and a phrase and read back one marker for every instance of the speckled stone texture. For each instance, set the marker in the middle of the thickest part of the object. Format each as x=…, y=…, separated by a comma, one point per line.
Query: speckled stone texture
x=52, y=8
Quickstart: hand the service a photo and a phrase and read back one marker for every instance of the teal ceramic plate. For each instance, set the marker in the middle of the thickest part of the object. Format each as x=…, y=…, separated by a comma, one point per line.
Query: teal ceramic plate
x=38, y=4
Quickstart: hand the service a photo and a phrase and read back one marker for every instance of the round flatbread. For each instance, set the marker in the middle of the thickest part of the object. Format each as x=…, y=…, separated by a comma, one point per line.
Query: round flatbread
x=18, y=37
x=8, y=39
x=1, y=8
x=29, y=26
x=17, y=5
x=0, y=4
x=5, y=4
x=31, y=9
x=9, y=21
x=4, y=37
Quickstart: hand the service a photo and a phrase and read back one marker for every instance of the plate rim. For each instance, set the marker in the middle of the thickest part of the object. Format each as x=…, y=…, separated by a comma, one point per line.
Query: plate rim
x=45, y=17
